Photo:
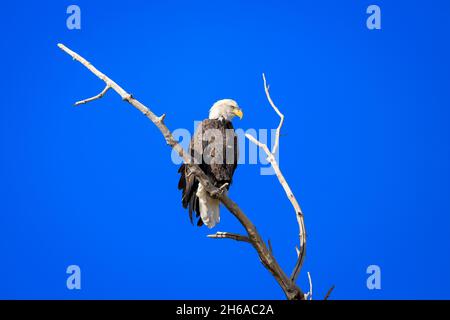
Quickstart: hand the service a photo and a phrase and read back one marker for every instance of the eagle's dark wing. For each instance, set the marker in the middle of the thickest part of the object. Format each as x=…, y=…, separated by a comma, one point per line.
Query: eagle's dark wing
x=188, y=184
x=214, y=148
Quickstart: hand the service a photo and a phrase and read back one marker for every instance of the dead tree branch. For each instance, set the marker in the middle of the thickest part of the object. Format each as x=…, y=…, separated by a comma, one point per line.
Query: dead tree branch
x=309, y=294
x=272, y=159
x=98, y=96
x=289, y=287
x=229, y=235
x=329, y=293
x=277, y=137
x=270, y=246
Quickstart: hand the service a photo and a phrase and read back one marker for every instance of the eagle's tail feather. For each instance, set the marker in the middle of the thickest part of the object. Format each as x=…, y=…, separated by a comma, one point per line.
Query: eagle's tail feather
x=209, y=208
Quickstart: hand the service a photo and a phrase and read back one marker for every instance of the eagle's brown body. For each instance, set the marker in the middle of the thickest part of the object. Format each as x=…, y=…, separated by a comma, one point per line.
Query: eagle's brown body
x=214, y=148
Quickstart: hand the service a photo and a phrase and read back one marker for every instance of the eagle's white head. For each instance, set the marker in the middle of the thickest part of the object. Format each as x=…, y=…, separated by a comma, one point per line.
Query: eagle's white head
x=225, y=109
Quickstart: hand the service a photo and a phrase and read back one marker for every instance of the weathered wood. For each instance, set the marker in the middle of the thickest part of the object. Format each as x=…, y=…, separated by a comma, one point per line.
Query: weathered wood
x=301, y=253
x=290, y=289
x=229, y=235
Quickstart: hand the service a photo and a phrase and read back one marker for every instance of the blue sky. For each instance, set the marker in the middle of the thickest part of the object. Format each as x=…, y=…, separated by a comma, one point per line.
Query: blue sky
x=365, y=147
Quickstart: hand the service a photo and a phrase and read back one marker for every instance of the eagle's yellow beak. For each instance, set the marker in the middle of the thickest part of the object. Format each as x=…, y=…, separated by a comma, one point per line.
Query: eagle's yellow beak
x=238, y=112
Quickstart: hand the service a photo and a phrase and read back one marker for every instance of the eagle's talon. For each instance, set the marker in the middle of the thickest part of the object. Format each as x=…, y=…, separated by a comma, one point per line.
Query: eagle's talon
x=222, y=188
x=216, y=193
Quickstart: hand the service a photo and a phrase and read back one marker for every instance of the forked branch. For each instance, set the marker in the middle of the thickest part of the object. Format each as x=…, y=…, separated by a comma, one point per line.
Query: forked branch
x=271, y=157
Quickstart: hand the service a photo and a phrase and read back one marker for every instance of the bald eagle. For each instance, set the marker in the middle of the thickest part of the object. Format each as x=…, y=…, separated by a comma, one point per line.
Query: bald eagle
x=214, y=148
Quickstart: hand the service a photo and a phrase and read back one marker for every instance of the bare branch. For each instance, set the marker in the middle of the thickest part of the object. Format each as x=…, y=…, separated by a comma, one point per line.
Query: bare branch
x=270, y=246
x=100, y=95
x=329, y=292
x=259, y=144
x=277, y=136
x=162, y=117
x=291, y=290
x=299, y=214
x=229, y=235
x=309, y=295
